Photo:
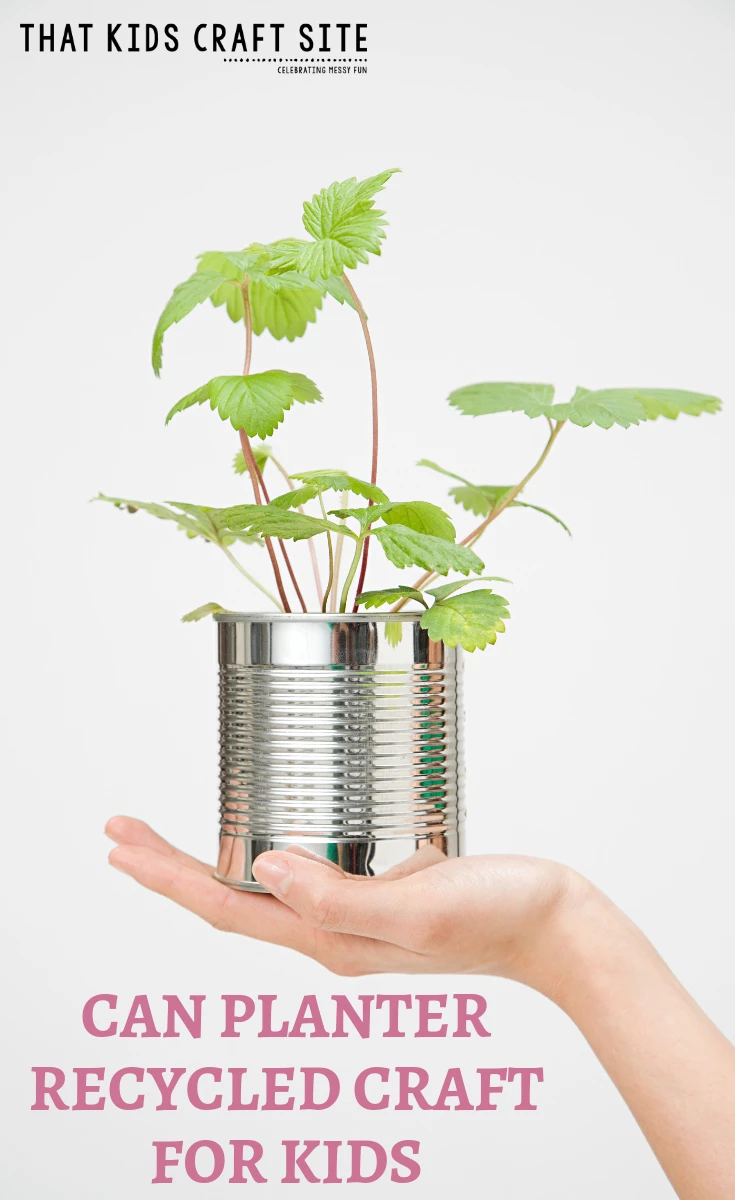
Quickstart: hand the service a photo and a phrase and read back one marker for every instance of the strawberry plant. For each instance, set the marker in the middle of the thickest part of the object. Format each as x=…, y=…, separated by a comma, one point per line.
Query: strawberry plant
x=280, y=287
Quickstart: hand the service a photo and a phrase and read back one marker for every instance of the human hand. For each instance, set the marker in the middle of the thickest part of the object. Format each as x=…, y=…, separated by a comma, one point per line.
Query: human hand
x=494, y=914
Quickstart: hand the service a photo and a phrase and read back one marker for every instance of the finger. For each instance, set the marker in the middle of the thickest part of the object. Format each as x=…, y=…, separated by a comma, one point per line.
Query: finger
x=383, y=910
x=326, y=862
x=422, y=858
x=261, y=917
x=131, y=832
x=226, y=909
x=426, y=856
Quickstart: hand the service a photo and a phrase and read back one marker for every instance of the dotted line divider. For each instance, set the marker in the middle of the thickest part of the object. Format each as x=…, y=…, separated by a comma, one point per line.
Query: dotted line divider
x=295, y=60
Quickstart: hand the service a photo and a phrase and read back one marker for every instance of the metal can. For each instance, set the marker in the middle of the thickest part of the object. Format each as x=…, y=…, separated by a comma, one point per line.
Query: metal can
x=340, y=733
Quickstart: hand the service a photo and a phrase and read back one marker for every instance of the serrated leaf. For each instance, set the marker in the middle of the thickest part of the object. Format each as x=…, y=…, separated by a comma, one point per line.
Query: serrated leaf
x=393, y=632
x=285, y=312
x=255, y=403
x=192, y=519
x=629, y=406
x=340, y=481
x=447, y=589
x=605, y=407
x=345, y=225
x=423, y=517
x=338, y=290
x=186, y=296
x=204, y=610
x=375, y=599
x=478, y=500
x=271, y=521
x=297, y=497
x=210, y=527
x=187, y=523
x=261, y=453
x=427, y=462
x=670, y=402
x=481, y=398
x=282, y=300
x=473, y=619
x=232, y=266
x=406, y=548
x=366, y=516
x=284, y=254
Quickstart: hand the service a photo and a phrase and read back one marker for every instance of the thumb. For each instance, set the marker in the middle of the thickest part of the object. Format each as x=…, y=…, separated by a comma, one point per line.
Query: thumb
x=338, y=904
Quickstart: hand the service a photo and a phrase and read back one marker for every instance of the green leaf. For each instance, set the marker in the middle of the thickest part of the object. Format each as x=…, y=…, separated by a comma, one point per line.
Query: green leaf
x=481, y=398
x=188, y=524
x=193, y=519
x=423, y=517
x=448, y=588
x=406, y=548
x=478, y=500
x=393, y=632
x=296, y=498
x=193, y=291
x=545, y=511
x=338, y=290
x=261, y=453
x=282, y=301
x=630, y=406
x=232, y=266
x=606, y=407
x=205, y=610
x=427, y=462
x=366, y=516
x=210, y=526
x=285, y=313
x=345, y=225
x=376, y=599
x=473, y=620
x=255, y=403
x=272, y=521
x=340, y=481
x=669, y=402
x=284, y=255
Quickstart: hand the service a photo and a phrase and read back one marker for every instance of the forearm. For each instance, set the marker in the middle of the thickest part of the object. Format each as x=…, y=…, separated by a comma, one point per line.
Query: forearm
x=672, y=1066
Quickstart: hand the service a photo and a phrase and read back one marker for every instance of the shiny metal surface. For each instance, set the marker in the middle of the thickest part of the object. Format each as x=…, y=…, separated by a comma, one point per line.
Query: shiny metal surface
x=337, y=736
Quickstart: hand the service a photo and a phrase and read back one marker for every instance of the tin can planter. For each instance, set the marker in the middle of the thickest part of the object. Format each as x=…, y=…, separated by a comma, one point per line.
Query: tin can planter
x=339, y=733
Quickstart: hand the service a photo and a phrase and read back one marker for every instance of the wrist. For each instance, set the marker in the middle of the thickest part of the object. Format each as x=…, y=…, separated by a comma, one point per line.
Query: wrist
x=584, y=941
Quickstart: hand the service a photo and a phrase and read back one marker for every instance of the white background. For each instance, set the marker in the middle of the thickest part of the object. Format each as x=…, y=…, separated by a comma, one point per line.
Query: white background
x=565, y=215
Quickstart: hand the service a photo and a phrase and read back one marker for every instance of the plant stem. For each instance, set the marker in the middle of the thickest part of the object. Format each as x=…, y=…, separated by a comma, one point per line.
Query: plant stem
x=374, y=399
x=281, y=542
x=248, y=327
x=312, y=547
x=337, y=558
x=256, y=477
x=250, y=578
x=330, y=581
x=497, y=509
x=247, y=450
x=351, y=574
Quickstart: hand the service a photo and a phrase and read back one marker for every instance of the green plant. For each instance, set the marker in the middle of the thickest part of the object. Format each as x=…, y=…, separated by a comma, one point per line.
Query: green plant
x=280, y=287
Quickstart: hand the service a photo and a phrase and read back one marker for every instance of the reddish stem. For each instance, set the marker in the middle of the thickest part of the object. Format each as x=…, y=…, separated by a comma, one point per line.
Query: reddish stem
x=247, y=450
x=255, y=476
x=374, y=398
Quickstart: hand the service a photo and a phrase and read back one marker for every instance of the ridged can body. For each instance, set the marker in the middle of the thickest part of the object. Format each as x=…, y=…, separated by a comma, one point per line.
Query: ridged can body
x=339, y=733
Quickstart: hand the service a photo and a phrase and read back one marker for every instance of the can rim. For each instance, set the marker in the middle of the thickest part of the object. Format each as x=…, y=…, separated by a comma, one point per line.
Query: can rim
x=311, y=617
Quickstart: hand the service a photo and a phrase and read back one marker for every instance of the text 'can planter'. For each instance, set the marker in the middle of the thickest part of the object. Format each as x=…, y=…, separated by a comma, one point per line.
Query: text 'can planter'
x=339, y=733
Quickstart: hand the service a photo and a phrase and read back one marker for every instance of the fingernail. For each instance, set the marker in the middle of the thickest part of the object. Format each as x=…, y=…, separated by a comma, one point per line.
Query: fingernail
x=274, y=873
x=117, y=860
